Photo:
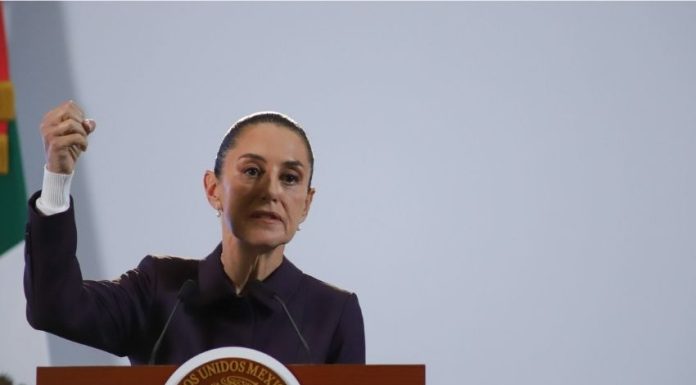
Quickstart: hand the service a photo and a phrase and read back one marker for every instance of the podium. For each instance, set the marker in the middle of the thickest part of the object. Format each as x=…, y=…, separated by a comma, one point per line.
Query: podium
x=306, y=374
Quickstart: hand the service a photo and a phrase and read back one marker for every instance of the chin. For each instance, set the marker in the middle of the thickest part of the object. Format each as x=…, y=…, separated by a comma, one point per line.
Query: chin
x=264, y=241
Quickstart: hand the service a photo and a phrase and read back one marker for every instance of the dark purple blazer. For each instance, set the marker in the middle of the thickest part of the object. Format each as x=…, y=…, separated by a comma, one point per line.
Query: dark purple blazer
x=125, y=316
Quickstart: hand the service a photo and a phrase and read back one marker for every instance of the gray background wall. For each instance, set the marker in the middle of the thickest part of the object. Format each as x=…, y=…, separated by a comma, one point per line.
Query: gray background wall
x=509, y=187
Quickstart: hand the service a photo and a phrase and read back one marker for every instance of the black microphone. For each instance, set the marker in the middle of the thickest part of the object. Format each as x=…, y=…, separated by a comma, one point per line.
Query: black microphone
x=268, y=292
x=187, y=290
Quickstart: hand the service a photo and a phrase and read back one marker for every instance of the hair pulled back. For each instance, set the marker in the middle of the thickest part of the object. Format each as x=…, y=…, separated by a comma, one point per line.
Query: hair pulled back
x=230, y=139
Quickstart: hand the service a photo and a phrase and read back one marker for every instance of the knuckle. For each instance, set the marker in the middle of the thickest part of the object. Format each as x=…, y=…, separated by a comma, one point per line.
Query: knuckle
x=57, y=141
x=65, y=126
x=49, y=138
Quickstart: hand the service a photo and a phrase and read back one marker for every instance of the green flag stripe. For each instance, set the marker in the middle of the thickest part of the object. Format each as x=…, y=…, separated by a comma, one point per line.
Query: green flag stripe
x=13, y=196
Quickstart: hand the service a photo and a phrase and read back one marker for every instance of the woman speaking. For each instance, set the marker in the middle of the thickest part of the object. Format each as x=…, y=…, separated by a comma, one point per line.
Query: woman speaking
x=244, y=293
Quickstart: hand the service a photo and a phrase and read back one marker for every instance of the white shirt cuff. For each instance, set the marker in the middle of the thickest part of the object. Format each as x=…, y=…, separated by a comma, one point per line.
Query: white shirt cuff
x=55, y=193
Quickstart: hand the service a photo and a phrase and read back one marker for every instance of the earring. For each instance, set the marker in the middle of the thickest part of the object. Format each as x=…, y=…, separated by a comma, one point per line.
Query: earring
x=218, y=212
x=298, y=228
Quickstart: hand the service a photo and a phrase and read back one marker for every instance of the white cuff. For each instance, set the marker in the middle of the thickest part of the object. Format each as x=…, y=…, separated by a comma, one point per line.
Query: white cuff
x=55, y=193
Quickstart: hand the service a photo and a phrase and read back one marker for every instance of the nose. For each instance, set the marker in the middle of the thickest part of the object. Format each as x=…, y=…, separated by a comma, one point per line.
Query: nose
x=270, y=188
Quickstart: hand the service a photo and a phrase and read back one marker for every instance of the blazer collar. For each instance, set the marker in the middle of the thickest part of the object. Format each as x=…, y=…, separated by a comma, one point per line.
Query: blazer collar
x=214, y=285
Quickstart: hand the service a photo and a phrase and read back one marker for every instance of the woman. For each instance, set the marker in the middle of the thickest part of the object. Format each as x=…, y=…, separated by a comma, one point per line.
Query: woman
x=246, y=293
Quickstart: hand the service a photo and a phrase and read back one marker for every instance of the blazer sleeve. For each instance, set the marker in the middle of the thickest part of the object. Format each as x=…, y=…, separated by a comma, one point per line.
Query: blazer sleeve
x=348, y=342
x=108, y=315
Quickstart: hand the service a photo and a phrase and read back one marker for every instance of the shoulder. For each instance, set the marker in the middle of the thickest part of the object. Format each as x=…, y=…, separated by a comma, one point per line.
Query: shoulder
x=166, y=271
x=328, y=296
x=169, y=263
x=322, y=288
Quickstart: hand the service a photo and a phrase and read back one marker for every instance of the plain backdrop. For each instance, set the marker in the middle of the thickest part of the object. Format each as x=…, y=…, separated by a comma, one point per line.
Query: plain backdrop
x=508, y=187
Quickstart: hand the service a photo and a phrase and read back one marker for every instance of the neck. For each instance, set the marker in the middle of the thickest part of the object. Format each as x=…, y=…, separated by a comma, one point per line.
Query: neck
x=244, y=262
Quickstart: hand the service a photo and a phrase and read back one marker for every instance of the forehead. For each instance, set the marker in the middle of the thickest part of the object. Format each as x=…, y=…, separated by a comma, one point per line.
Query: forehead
x=271, y=141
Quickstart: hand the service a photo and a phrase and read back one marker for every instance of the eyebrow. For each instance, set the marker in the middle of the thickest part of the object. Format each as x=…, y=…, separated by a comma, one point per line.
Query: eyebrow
x=287, y=163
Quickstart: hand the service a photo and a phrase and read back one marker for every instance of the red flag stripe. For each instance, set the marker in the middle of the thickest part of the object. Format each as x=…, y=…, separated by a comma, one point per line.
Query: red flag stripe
x=4, y=65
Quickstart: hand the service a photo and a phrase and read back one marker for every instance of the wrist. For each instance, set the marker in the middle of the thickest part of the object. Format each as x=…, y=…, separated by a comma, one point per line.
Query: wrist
x=58, y=168
x=55, y=192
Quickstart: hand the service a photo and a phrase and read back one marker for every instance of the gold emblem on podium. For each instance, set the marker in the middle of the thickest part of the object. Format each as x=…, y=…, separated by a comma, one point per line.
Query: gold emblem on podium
x=232, y=371
x=232, y=366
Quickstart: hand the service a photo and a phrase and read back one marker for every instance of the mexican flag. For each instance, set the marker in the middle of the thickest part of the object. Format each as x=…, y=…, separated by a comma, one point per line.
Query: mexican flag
x=13, y=194
x=22, y=348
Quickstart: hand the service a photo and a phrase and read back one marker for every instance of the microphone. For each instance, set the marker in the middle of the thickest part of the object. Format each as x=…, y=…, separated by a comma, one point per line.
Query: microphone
x=266, y=291
x=187, y=290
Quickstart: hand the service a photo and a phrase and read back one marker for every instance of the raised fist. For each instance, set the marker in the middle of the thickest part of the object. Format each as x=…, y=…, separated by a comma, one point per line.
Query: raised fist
x=64, y=131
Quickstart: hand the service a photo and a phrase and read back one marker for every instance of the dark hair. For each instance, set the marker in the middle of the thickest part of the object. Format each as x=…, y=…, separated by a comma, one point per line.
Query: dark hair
x=261, y=117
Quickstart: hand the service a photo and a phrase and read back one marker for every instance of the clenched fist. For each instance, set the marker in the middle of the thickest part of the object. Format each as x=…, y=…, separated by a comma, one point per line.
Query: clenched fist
x=64, y=131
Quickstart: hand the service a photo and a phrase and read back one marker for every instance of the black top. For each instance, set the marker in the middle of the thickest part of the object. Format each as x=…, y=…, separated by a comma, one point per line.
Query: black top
x=125, y=316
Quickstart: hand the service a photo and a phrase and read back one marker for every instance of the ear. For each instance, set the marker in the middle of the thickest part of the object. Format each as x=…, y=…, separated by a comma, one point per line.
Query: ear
x=212, y=190
x=308, y=203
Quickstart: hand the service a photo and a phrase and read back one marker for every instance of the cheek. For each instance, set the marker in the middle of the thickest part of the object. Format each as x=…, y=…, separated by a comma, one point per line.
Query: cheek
x=297, y=206
x=235, y=198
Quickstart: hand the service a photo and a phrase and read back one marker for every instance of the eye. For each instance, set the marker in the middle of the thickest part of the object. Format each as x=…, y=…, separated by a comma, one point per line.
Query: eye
x=290, y=179
x=252, y=172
